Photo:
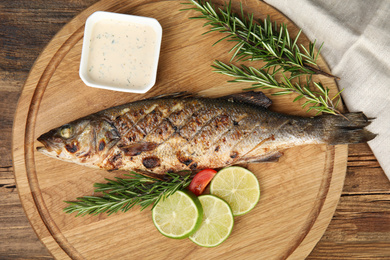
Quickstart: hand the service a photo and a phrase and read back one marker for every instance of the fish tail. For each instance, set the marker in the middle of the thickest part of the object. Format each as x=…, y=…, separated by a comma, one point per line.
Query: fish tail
x=348, y=129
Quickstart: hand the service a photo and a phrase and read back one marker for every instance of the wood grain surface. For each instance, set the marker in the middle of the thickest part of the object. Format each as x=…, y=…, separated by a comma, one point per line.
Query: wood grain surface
x=362, y=222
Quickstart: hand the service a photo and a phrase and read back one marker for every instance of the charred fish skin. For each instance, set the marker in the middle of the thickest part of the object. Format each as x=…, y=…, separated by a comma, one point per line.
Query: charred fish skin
x=172, y=134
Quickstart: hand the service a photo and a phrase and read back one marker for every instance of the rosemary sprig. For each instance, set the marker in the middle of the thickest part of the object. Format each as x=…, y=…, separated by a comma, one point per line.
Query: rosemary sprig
x=264, y=78
x=122, y=194
x=260, y=40
x=266, y=41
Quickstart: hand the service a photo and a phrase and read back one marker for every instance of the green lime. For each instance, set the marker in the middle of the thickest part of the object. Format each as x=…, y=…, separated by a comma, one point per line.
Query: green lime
x=237, y=186
x=217, y=222
x=179, y=215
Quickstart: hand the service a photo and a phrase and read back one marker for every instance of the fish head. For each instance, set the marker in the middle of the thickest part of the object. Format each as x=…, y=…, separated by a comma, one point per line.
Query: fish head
x=82, y=141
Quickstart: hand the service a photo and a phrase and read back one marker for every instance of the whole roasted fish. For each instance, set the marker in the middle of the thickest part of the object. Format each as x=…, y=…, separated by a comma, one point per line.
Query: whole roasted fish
x=170, y=134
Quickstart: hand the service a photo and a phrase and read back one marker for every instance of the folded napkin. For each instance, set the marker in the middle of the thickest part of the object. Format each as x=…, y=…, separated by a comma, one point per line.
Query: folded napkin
x=356, y=36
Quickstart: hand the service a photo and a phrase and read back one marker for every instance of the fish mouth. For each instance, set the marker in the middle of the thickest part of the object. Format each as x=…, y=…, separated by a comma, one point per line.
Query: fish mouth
x=46, y=149
x=46, y=136
x=44, y=139
x=42, y=149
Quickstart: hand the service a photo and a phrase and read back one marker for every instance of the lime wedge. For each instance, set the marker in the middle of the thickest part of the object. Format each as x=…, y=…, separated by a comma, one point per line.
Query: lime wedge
x=217, y=222
x=237, y=186
x=179, y=215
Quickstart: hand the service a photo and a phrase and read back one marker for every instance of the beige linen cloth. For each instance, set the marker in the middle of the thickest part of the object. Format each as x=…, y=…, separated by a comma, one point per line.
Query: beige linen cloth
x=356, y=36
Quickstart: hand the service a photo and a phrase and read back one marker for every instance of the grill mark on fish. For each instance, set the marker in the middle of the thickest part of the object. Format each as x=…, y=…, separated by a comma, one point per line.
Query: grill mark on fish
x=125, y=121
x=84, y=156
x=72, y=147
x=116, y=160
x=113, y=133
x=186, y=161
x=195, y=124
x=194, y=166
x=192, y=111
x=199, y=143
x=207, y=136
x=155, y=134
x=236, y=134
x=151, y=162
x=270, y=136
x=200, y=125
x=235, y=122
x=244, y=145
x=134, y=116
x=181, y=112
x=102, y=145
x=140, y=130
x=158, y=135
x=234, y=154
x=134, y=133
x=161, y=133
x=150, y=121
x=165, y=129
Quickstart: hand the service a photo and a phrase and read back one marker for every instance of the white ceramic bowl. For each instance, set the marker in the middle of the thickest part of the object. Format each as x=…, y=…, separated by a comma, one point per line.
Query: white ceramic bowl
x=120, y=52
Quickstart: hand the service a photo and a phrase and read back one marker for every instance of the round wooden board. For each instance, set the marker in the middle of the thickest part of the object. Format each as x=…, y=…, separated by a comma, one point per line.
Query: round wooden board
x=299, y=193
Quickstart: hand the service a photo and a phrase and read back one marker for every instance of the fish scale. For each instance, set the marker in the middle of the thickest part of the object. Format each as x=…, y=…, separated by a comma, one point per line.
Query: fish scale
x=176, y=133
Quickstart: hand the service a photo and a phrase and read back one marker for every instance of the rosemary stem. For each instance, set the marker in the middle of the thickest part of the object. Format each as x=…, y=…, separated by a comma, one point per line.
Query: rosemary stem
x=321, y=72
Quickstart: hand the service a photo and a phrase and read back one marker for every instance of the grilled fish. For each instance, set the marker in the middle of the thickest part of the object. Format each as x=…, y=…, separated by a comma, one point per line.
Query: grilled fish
x=171, y=134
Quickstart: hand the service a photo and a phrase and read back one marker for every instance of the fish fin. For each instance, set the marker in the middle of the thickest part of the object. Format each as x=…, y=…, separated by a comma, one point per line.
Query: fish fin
x=347, y=129
x=256, y=98
x=162, y=177
x=137, y=148
x=150, y=174
x=182, y=94
x=270, y=157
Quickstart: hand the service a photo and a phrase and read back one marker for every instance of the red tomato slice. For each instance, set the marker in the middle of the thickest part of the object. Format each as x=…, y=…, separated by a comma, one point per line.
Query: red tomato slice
x=201, y=180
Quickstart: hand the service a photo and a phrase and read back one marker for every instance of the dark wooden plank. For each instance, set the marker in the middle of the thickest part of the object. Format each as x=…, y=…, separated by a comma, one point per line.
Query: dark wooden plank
x=360, y=229
x=17, y=237
x=350, y=251
x=10, y=85
x=25, y=29
x=364, y=174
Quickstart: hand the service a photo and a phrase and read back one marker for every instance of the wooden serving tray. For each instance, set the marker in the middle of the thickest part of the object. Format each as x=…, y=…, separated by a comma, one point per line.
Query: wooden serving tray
x=299, y=193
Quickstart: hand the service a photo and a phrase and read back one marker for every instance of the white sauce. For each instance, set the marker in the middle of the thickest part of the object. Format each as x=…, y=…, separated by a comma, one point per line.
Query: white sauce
x=121, y=53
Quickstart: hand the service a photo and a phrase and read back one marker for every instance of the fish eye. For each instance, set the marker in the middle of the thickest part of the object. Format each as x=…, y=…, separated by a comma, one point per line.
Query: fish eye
x=66, y=131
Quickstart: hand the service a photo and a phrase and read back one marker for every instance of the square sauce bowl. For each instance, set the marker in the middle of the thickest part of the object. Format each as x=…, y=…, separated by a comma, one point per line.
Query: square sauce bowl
x=120, y=52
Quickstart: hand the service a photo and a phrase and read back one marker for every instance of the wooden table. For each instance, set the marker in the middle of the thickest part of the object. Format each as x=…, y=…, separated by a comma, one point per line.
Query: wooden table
x=360, y=228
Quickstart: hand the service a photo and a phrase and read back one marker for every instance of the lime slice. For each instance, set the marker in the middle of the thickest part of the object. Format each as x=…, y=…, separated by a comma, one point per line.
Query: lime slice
x=179, y=215
x=237, y=186
x=217, y=222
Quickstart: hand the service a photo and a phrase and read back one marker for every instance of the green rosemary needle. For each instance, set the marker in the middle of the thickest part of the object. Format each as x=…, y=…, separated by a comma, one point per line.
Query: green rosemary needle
x=264, y=78
x=122, y=194
x=260, y=40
